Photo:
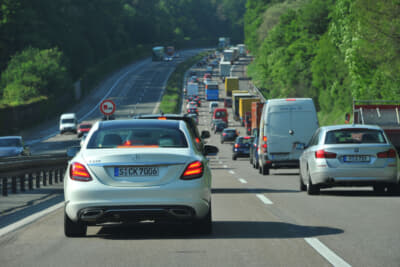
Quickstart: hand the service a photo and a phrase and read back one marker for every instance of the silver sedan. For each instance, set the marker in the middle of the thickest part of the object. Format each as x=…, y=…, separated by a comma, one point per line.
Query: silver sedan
x=349, y=155
x=136, y=171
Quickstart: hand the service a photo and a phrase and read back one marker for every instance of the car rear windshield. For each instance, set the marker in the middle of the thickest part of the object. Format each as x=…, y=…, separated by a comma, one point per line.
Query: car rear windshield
x=68, y=121
x=243, y=140
x=138, y=137
x=84, y=126
x=358, y=136
x=220, y=114
x=10, y=142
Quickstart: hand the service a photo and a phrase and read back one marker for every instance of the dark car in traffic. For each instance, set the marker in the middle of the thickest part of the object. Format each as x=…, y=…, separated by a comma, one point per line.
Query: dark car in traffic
x=229, y=134
x=253, y=155
x=241, y=147
x=219, y=126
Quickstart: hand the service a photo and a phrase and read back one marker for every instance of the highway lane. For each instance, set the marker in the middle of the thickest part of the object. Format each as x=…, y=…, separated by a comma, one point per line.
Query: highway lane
x=135, y=89
x=258, y=221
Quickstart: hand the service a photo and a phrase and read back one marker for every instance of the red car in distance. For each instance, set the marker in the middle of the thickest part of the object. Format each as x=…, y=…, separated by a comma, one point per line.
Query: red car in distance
x=83, y=128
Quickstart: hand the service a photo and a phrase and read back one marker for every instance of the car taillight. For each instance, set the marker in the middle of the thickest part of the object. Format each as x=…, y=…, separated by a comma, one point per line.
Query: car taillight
x=223, y=134
x=322, y=154
x=265, y=146
x=78, y=172
x=197, y=140
x=193, y=171
x=237, y=145
x=391, y=153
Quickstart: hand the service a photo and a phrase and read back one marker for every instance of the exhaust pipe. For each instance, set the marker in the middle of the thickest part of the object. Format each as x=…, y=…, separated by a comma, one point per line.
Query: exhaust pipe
x=182, y=213
x=91, y=215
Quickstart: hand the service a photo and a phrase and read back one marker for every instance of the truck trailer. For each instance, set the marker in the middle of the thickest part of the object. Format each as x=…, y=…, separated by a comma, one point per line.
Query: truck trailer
x=231, y=84
x=385, y=114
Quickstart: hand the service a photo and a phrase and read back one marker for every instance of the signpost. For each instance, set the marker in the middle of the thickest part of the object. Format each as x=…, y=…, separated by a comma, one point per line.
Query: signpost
x=107, y=107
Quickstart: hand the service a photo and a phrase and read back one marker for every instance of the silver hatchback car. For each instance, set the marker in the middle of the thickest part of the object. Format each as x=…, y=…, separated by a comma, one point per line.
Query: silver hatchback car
x=349, y=155
x=135, y=171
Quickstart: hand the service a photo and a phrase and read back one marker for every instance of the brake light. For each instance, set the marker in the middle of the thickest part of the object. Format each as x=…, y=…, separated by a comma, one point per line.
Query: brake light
x=162, y=118
x=193, y=171
x=391, y=153
x=197, y=140
x=290, y=99
x=78, y=172
x=265, y=139
x=237, y=145
x=223, y=134
x=246, y=137
x=322, y=154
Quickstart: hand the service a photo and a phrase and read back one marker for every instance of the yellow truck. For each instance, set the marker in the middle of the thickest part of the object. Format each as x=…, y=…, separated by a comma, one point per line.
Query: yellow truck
x=231, y=84
x=245, y=109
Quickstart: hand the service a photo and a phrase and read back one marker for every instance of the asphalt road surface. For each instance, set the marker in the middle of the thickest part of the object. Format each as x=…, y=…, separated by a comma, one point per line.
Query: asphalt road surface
x=258, y=221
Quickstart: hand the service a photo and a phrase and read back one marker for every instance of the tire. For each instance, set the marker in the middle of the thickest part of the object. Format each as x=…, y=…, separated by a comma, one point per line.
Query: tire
x=251, y=160
x=303, y=187
x=379, y=188
x=73, y=229
x=394, y=189
x=222, y=141
x=311, y=188
x=204, y=226
x=264, y=170
x=233, y=157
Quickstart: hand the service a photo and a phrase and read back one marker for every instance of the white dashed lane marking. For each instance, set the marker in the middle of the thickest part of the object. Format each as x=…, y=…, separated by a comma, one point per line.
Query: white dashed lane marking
x=325, y=252
x=243, y=181
x=231, y=172
x=264, y=199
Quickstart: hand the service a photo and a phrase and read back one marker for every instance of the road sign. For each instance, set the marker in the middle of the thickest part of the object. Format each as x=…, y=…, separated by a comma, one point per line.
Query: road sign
x=107, y=107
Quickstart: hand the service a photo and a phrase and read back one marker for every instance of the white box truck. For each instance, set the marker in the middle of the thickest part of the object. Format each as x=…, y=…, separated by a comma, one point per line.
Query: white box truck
x=286, y=127
x=224, y=69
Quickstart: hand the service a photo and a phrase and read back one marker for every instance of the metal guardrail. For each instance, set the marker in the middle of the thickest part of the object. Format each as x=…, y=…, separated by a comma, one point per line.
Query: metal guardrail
x=27, y=173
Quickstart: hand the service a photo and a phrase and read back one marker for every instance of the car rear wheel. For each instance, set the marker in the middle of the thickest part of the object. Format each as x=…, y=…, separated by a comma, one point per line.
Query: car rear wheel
x=379, y=188
x=303, y=187
x=204, y=226
x=73, y=229
x=264, y=170
x=311, y=188
x=233, y=157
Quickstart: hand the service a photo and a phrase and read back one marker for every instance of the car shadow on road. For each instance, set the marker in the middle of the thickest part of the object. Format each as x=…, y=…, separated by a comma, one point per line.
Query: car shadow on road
x=250, y=190
x=221, y=230
x=357, y=193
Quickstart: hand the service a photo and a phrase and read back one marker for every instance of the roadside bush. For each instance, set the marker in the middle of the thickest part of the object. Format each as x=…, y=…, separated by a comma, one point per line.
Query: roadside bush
x=33, y=73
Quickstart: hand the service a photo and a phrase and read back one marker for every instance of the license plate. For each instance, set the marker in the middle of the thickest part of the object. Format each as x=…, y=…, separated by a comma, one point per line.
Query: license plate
x=135, y=171
x=356, y=158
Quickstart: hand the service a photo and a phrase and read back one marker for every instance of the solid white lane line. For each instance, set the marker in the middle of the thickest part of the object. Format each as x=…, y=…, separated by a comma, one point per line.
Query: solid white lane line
x=30, y=219
x=243, y=181
x=264, y=199
x=325, y=252
x=231, y=172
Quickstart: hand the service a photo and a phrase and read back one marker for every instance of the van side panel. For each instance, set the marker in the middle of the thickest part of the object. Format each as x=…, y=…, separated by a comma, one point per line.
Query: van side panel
x=289, y=126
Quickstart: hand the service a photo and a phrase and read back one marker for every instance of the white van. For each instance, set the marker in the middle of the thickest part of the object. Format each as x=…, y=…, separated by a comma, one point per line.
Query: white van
x=68, y=123
x=213, y=105
x=286, y=127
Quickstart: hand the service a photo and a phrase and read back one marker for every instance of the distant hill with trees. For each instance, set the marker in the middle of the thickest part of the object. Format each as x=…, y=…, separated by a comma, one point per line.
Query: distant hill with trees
x=45, y=45
x=332, y=51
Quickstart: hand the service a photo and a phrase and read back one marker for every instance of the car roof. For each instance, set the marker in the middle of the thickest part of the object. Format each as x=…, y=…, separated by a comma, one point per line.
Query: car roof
x=229, y=129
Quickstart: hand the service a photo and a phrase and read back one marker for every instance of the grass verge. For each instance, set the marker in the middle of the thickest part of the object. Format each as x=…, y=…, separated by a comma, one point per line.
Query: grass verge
x=170, y=102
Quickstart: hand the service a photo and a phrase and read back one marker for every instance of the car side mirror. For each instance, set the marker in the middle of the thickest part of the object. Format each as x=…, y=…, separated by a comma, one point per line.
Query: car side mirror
x=72, y=151
x=210, y=150
x=205, y=134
